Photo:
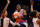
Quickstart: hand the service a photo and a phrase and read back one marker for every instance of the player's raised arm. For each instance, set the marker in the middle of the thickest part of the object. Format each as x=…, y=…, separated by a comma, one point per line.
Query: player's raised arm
x=31, y=1
x=8, y=2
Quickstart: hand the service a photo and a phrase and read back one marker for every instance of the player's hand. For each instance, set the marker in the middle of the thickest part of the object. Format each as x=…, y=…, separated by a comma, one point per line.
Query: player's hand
x=19, y=17
x=8, y=1
x=31, y=1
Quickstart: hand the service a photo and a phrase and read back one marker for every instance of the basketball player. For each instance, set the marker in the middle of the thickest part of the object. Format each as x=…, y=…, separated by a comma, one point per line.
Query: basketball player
x=35, y=19
x=23, y=15
x=6, y=20
x=34, y=16
x=2, y=16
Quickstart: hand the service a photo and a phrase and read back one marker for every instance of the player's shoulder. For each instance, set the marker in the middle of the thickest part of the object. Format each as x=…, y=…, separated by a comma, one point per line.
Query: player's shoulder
x=23, y=9
x=34, y=19
x=6, y=18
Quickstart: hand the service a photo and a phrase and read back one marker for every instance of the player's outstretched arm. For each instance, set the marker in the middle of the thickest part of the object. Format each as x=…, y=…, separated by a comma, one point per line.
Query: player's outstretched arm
x=31, y=1
x=8, y=2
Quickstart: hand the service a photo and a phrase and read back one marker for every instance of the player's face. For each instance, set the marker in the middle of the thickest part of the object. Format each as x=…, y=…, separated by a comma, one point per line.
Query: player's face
x=18, y=7
x=37, y=14
x=6, y=13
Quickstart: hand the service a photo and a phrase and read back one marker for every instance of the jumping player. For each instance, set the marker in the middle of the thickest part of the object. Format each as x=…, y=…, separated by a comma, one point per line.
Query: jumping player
x=23, y=14
x=35, y=19
x=6, y=20
x=34, y=16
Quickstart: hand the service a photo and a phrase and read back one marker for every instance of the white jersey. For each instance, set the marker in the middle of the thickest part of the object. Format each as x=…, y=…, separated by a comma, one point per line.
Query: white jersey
x=34, y=22
x=5, y=22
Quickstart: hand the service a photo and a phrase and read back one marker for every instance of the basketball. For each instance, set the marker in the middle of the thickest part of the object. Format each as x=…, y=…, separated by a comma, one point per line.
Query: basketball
x=16, y=15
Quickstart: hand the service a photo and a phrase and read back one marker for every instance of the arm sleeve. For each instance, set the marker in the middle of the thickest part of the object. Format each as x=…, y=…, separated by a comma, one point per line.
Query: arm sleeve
x=25, y=17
